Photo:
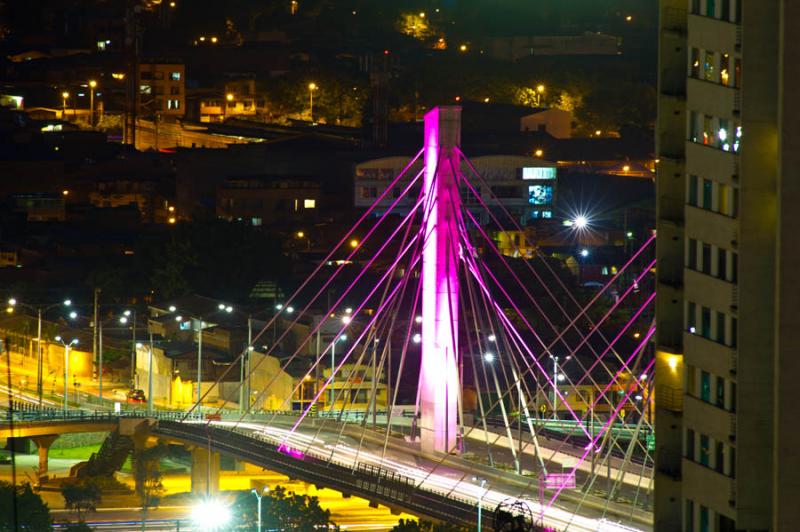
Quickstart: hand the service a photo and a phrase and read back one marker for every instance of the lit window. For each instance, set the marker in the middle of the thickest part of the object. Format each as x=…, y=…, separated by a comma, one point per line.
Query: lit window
x=173, y=104
x=309, y=203
x=145, y=89
x=175, y=76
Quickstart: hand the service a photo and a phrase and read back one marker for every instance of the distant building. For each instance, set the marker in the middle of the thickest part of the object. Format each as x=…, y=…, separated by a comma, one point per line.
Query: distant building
x=40, y=207
x=590, y=43
x=238, y=99
x=162, y=89
x=524, y=186
x=555, y=122
x=268, y=200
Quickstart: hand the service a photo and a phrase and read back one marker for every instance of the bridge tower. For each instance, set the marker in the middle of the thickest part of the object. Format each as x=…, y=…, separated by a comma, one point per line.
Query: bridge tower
x=439, y=383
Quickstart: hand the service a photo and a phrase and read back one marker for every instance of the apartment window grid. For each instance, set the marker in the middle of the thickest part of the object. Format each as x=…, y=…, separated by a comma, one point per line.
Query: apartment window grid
x=712, y=260
x=712, y=195
x=710, y=388
x=724, y=10
x=715, y=132
x=720, y=68
x=707, y=451
x=713, y=325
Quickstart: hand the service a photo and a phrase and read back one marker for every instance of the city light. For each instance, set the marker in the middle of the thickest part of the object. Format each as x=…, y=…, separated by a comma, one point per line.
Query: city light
x=278, y=306
x=561, y=377
x=92, y=84
x=300, y=234
x=178, y=318
x=538, y=152
x=580, y=222
x=417, y=338
x=492, y=338
x=348, y=310
x=123, y=320
x=12, y=301
x=418, y=319
x=354, y=243
x=173, y=308
x=289, y=309
x=211, y=514
x=584, y=253
x=488, y=357
x=346, y=320
x=463, y=47
x=73, y=315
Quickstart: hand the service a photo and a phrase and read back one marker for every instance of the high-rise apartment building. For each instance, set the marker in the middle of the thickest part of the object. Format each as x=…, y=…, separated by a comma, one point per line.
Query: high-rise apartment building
x=728, y=326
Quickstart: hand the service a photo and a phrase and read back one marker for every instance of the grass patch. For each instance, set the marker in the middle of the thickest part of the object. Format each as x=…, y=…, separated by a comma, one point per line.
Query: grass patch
x=75, y=453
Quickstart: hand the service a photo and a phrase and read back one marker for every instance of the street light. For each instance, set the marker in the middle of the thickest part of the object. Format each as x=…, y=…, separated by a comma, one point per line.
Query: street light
x=480, y=500
x=67, y=346
x=92, y=86
x=557, y=377
x=64, y=97
x=340, y=338
x=311, y=88
x=12, y=303
x=258, y=496
x=211, y=514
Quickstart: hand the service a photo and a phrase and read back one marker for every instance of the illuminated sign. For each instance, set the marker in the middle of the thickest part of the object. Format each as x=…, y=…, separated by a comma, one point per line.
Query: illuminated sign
x=540, y=194
x=538, y=173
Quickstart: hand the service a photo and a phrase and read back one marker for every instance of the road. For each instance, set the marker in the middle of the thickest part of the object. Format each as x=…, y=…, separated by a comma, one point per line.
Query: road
x=455, y=478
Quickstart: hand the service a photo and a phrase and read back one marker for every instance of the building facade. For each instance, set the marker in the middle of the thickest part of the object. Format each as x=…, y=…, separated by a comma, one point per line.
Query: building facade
x=726, y=355
x=161, y=89
x=525, y=186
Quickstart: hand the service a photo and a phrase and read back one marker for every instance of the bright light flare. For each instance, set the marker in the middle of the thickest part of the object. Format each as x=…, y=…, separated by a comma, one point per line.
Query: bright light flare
x=211, y=514
x=580, y=222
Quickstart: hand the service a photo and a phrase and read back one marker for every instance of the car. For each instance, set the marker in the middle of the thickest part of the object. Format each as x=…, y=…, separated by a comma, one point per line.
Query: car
x=136, y=396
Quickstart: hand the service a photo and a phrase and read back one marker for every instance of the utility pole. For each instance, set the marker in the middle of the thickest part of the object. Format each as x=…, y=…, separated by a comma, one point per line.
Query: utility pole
x=100, y=356
x=39, y=361
x=94, y=340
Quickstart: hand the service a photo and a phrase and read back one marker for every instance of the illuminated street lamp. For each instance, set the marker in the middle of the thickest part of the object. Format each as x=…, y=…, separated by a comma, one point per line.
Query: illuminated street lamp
x=311, y=88
x=211, y=515
x=64, y=98
x=12, y=303
x=340, y=338
x=557, y=377
x=92, y=86
x=258, y=496
x=67, y=346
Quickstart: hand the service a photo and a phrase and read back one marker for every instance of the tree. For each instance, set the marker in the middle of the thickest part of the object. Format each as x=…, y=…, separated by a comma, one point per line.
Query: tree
x=147, y=474
x=281, y=510
x=32, y=514
x=82, y=496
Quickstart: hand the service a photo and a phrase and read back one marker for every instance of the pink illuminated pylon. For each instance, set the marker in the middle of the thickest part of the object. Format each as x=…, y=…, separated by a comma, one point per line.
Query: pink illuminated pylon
x=438, y=378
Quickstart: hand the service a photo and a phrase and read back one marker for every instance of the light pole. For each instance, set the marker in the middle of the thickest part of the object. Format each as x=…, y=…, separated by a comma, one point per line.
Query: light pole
x=228, y=100
x=340, y=338
x=557, y=377
x=92, y=86
x=480, y=503
x=311, y=88
x=126, y=315
x=259, y=496
x=539, y=94
x=200, y=324
x=64, y=97
x=149, y=375
x=12, y=302
x=67, y=346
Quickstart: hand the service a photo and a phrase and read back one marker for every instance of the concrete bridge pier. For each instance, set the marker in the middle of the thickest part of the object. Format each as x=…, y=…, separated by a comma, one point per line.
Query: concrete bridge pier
x=43, y=444
x=205, y=471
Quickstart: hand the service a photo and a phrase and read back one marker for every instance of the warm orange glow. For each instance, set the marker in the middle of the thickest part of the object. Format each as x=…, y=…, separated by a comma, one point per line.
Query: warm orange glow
x=229, y=96
x=540, y=89
x=672, y=362
x=92, y=84
x=171, y=208
x=65, y=192
x=214, y=40
x=172, y=219
x=626, y=168
x=65, y=95
x=118, y=75
x=300, y=234
x=312, y=86
x=354, y=243
x=539, y=152
x=463, y=47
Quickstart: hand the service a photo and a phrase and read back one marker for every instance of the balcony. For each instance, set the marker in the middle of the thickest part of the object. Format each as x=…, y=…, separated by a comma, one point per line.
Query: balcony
x=708, y=419
x=716, y=358
x=709, y=291
x=711, y=98
x=712, y=228
x=712, y=34
x=706, y=161
x=709, y=488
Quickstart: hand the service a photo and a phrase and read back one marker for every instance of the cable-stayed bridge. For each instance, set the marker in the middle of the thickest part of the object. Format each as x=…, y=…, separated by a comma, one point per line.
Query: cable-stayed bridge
x=526, y=387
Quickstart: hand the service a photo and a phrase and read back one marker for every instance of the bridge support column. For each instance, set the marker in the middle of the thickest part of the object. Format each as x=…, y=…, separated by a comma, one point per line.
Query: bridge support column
x=205, y=471
x=43, y=443
x=438, y=381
